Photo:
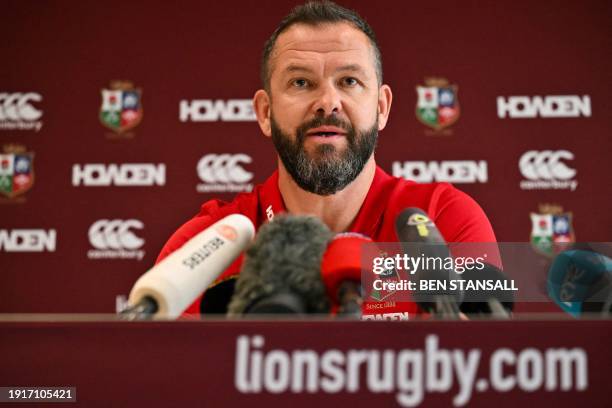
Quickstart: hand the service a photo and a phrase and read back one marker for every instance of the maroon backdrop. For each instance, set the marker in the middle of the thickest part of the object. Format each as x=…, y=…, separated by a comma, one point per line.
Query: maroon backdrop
x=58, y=56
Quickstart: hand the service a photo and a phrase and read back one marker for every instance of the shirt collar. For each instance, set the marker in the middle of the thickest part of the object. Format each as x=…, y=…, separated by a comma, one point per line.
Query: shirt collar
x=370, y=214
x=270, y=198
x=368, y=218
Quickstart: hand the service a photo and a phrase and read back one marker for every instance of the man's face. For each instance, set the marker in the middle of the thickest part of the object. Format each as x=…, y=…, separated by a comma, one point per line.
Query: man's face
x=324, y=104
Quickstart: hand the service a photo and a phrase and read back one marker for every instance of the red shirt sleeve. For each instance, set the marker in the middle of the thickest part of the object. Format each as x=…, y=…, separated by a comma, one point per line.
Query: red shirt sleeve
x=459, y=217
x=211, y=212
x=187, y=231
x=464, y=224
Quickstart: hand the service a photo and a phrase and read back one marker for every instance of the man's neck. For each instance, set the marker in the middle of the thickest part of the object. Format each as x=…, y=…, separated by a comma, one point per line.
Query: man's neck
x=337, y=211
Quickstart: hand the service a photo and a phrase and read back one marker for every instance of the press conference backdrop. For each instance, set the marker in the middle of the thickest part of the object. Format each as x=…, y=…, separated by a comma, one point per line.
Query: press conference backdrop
x=118, y=119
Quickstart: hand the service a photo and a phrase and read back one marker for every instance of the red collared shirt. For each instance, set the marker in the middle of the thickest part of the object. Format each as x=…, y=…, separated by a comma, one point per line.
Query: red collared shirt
x=458, y=217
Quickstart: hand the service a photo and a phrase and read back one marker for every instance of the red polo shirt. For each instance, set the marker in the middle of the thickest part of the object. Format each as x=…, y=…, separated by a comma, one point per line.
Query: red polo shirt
x=458, y=217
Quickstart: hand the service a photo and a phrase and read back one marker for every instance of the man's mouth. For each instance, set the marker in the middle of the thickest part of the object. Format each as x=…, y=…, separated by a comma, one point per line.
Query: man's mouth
x=326, y=131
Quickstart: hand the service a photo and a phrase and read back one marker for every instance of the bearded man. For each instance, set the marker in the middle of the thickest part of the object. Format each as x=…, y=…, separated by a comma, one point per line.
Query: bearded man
x=323, y=103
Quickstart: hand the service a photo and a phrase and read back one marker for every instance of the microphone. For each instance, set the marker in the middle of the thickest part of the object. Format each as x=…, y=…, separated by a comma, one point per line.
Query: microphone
x=495, y=303
x=281, y=272
x=580, y=282
x=341, y=272
x=420, y=238
x=168, y=288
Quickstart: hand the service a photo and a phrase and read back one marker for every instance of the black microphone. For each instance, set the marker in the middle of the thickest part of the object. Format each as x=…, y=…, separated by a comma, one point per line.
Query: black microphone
x=420, y=238
x=281, y=273
x=494, y=303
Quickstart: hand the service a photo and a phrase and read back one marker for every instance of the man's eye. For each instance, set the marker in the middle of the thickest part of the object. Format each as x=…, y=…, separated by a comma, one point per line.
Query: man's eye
x=350, y=81
x=299, y=83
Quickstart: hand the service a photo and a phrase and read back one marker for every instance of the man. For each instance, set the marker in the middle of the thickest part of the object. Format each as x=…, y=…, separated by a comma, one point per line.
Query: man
x=323, y=103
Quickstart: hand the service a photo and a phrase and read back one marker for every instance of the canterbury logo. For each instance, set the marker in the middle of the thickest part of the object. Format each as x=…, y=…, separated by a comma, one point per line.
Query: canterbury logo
x=17, y=106
x=224, y=168
x=546, y=165
x=115, y=234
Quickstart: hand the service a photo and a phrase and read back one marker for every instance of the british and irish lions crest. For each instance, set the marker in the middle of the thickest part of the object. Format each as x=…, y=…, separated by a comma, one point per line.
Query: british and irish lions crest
x=437, y=104
x=551, y=230
x=16, y=171
x=121, y=108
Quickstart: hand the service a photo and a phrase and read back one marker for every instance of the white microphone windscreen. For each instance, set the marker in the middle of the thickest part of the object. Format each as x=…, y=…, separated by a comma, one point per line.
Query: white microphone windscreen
x=185, y=274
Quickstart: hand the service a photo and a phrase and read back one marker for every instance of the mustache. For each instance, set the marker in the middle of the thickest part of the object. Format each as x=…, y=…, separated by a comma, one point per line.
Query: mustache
x=318, y=121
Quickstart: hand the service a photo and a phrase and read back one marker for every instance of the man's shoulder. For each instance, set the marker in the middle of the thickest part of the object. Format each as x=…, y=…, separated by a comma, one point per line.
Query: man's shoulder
x=210, y=212
x=456, y=214
x=243, y=203
x=402, y=192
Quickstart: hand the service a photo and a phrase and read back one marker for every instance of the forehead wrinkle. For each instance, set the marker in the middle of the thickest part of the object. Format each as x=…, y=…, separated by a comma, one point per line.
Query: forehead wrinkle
x=316, y=51
x=345, y=35
x=347, y=41
x=310, y=54
x=293, y=67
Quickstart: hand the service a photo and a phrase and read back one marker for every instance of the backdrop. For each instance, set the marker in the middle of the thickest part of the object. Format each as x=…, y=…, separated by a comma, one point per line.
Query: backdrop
x=118, y=119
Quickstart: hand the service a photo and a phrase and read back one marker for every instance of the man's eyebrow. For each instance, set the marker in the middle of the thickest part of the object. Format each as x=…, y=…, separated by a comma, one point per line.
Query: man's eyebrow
x=297, y=68
x=351, y=68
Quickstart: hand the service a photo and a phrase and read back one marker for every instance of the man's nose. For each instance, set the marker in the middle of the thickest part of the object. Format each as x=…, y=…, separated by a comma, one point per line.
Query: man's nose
x=328, y=101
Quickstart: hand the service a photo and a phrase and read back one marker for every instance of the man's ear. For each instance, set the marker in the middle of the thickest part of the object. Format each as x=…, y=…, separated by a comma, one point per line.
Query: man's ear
x=261, y=104
x=385, y=97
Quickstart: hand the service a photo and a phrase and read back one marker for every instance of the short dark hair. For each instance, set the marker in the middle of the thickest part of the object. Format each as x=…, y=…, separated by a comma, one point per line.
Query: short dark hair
x=314, y=13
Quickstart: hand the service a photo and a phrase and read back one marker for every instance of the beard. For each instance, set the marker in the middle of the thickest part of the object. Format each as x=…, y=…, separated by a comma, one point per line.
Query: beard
x=326, y=170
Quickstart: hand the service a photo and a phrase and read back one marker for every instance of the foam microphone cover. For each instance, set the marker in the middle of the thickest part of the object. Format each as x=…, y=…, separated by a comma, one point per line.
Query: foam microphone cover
x=285, y=258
